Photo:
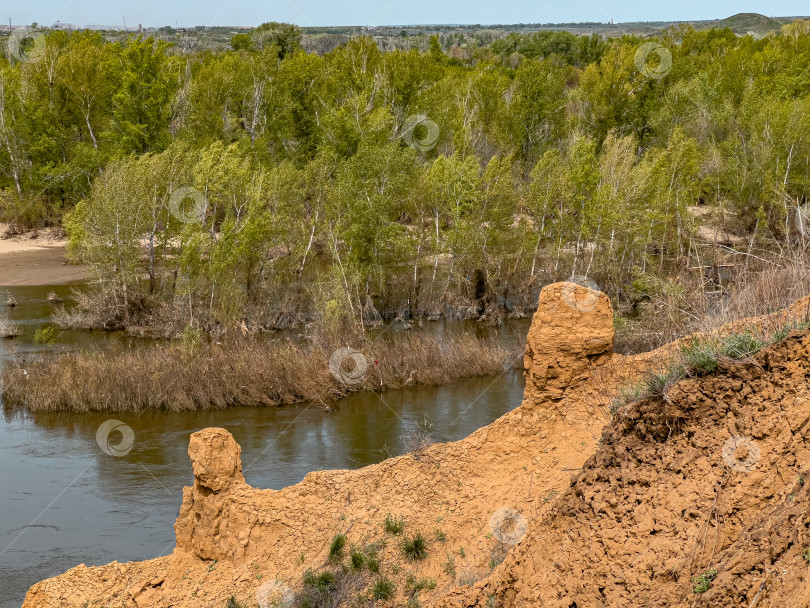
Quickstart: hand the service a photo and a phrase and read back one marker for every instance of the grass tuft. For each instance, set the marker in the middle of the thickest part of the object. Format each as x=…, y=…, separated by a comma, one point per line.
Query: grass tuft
x=414, y=548
x=336, y=548
x=383, y=589
x=394, y=525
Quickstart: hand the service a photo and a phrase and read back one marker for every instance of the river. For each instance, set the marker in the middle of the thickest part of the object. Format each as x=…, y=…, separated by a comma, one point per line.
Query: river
x=64, y=501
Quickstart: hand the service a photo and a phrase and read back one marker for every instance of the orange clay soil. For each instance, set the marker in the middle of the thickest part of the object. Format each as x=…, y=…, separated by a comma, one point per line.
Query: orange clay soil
x=575, y=523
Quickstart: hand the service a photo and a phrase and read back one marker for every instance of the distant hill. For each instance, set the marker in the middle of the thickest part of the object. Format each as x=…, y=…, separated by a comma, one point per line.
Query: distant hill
x=743, y=23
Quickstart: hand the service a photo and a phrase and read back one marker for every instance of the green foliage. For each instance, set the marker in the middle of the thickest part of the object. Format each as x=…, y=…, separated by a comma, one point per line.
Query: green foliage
x=234, y=603
x=658, y=382
x=394, y=525
x=742, y=345
x=45, y=335
x=553, y=155
x=382, y=589
x=700, y=355
x=414, y=547
x=703, y=582
x=337, y=547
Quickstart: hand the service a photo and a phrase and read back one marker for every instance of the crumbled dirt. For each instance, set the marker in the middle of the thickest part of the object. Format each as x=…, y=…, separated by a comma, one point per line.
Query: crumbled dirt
x=613, y=519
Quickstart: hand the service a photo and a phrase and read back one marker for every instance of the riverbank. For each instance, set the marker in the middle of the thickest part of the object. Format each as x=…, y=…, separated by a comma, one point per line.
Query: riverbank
x=36, y=258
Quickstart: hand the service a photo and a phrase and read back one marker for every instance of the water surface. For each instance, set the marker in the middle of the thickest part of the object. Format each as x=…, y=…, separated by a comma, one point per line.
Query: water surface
x=63, y=501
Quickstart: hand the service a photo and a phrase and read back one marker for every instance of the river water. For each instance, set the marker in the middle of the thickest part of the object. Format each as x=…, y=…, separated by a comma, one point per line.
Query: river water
x=64, y=501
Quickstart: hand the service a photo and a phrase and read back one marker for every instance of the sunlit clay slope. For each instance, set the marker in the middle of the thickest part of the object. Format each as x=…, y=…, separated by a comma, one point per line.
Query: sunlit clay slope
x=512, y=515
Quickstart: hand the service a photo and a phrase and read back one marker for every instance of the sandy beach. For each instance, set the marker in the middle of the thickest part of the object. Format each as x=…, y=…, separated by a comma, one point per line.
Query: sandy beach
x=36, y=259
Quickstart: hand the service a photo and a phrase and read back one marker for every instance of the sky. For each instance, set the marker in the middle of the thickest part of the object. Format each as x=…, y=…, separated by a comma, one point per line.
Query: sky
x=380, y=12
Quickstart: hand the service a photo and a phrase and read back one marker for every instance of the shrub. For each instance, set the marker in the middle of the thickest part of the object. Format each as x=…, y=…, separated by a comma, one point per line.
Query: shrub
x=9, y=329
x=414, y=548
x=394, y=525
x=45, y=335
x=703, y=582
x=383, y=589
x=440, y=535
x=336, y=548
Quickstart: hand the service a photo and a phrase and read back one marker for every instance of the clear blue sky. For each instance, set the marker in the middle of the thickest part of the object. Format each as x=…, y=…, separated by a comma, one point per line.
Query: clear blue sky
x=379, y=12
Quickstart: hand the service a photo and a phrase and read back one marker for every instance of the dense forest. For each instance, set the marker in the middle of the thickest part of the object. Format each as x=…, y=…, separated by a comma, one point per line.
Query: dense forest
x=277, y=185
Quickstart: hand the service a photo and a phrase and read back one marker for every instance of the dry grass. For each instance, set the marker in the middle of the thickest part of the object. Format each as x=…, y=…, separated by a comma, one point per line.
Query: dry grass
x=190, y=375
x=9, y=329
x=683, y=306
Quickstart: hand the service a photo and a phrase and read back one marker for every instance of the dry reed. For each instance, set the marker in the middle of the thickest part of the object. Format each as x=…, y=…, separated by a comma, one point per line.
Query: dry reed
x=248, y=372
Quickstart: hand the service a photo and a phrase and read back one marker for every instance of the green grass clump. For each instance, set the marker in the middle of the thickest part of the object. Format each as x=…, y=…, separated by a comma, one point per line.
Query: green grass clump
x=440, y=535
x=700, y=355
x=657, y=383
x=373, y=562
x=323, y=583
x=394, y=525
x=357, y=560
x=336, y=548
x=741, y=345
x=414, y=548
x=703, y=582
x=383, y=589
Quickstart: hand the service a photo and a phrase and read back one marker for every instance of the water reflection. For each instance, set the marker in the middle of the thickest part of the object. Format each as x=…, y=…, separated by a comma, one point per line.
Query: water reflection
x=124, y=508
x=90, y=507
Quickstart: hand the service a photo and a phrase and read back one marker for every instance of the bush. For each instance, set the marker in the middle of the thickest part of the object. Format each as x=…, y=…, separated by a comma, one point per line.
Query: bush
x=383, y=589
x=414, y=548
x=45, y=335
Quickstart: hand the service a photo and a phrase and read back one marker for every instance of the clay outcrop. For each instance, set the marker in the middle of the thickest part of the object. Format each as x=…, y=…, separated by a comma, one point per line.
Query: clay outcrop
x=579, y=513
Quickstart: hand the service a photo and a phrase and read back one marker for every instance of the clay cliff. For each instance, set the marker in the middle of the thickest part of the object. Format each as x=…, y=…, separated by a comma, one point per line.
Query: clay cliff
x=546, y=506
